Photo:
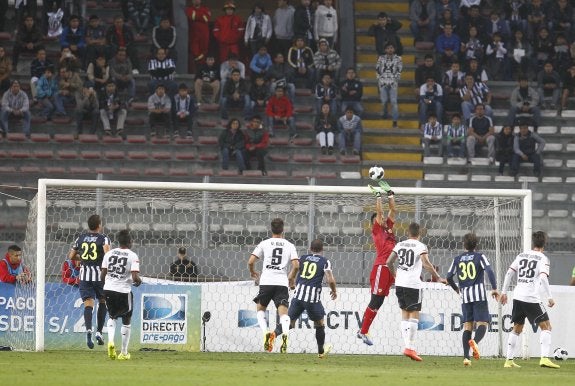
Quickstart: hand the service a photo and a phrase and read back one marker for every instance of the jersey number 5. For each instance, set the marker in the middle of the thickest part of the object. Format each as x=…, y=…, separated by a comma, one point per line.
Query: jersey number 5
x=277, y=256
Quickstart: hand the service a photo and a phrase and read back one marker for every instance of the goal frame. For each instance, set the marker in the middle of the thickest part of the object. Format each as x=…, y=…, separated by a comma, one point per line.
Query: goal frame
x=43, y=184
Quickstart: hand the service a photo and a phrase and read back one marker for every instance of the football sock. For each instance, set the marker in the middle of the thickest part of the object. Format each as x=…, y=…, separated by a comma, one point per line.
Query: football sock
x=278, y=331
x=111, y=330
x=368, y=317
x=511, y=343
x=405, y=325
x=261, y=315
x=101, y=316
x=412, y=331
x=320, y=338
x=545, y=342
x=284, y=321
x=465, y=341
x=126, y=331
x=88, y=317
x=479, y=333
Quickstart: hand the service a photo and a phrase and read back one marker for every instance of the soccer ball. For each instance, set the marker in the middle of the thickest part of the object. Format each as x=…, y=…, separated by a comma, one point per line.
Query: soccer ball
x=376, y=173
x=560, y=354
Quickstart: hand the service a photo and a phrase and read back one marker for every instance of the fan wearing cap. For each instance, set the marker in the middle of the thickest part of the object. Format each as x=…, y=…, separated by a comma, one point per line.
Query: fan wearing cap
x=15, y=103
x=229, y=31
x=183, y=269
x=87, y=107
x=326, y=61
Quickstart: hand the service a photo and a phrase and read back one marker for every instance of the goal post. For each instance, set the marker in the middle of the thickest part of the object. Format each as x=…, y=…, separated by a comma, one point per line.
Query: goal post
x=222, y=223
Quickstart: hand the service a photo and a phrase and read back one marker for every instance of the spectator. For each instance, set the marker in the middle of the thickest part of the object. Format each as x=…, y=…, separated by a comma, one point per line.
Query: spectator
x=281, y=74
x=474, y=18
x=198, y=33
x=5, y=71
x=280, y=109
x=456, y=132
x=498, y=25
x=228, y=66
x=159, y=111
x=325, y=23
x=543, y=49
x=261, y=62
x=259, y=93
x=474, y=93
x=87, y=106
x=388, y=70
x=37, y=68
x=160, y=9
x=481, y=133
x=301, y=59
x=257, y=142
x=497, y=61
x=98, y=72
x=73, y=37
x=15, y=104
x=122, y=75
x=568, y=86
x=515, y=12
x=95, y=39
x=183, y=269
x=27, y=39
x=471, y=46
x=443, y=5
x=453, y=81
x=207, y=77
x=561, y=58
x=118, y=36
x=68, y=60
x=447, y=46
x=69, y=85
x=235, y=93
x=504, y=147
x=325, y=92
x=422, y=17
x=536, y=17
x=139, y=13
x=430, y=101
x=283, y=22
x=183, y=110
x=549, y=85
x=164, y=36
x=12, y=268
x=325, y=128
x=112, y=106
x=478, y=73
x=351, y=92
x=520, y=53
x=385, y=32
x=527, y=147
x=560, y=17
x=71, y=272
x=524, y=100
x=326, y=61
x=232, y=144
x=444, y=18
x=228, y=31
x=258, y=29
x=350, y=129
x=303, y=21
x=432, y=134
x=22, y=10
x=162, y=70
x=425, y=70
x=46, y=91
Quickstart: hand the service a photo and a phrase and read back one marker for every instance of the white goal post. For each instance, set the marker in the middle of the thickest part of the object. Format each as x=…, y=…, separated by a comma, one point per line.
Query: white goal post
x=217, y=220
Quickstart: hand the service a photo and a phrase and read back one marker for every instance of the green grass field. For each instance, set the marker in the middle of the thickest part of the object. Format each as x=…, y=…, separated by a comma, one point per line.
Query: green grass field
x=253, y=369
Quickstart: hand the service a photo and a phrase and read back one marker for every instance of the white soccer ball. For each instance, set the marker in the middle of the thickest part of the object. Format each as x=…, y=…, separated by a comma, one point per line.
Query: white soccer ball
x=376, y=173
x=560, y=354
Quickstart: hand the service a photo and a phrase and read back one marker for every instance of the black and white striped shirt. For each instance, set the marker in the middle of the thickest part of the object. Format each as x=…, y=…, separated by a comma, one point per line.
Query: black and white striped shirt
x=478, y=93
x=162, y=69
x=90, y=248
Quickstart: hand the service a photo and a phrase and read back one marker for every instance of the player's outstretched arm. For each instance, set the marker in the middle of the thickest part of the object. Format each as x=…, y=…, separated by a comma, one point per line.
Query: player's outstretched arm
x=293, y=273
x=136, y=278
x=451, y=283
x=391, y=201
x=251, y=265
x=331, y=282
x=506, y=282
x=431, y=269
x=391, y=260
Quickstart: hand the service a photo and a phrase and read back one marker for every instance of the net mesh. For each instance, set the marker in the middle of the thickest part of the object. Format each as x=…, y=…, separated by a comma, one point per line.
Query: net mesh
x=220, y=230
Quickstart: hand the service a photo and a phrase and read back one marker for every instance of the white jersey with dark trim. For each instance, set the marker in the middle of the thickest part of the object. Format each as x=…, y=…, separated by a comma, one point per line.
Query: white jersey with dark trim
x=275, y=253
x=409, y=263
x=529, y=267
x=120, y=263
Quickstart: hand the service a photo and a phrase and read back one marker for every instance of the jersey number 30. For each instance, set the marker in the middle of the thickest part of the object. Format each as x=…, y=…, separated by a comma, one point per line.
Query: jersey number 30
x=467, y=271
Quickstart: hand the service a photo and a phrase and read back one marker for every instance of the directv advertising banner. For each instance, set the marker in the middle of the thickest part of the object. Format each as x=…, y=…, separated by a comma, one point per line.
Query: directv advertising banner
x=164, y=317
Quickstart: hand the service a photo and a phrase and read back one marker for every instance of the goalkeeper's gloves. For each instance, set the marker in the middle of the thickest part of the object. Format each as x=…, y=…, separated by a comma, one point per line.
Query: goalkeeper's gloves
x=375, y=190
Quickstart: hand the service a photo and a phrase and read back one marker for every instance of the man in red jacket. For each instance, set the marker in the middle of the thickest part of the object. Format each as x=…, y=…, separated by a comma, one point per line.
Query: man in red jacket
x=71, y=272
x=229, y=31
x=280, y=108
x=199, y=33
x=257, y=142
x=12, y=269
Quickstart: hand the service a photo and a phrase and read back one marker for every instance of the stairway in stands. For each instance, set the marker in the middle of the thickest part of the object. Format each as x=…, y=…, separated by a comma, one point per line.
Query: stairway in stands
x=397, y=150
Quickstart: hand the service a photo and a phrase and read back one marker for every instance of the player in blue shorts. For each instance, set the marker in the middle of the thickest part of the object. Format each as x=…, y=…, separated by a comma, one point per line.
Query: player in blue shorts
x=469, y=268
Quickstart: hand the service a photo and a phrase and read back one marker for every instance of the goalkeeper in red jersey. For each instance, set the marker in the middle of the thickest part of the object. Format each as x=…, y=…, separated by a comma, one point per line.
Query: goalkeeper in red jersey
x=380, y=278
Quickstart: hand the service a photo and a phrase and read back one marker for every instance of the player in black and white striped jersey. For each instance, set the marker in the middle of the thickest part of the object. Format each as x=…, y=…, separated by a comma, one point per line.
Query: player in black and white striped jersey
x=90, y=248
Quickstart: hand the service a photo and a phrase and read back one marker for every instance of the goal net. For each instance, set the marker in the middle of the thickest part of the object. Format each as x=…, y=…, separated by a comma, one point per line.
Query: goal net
x=220, y=224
